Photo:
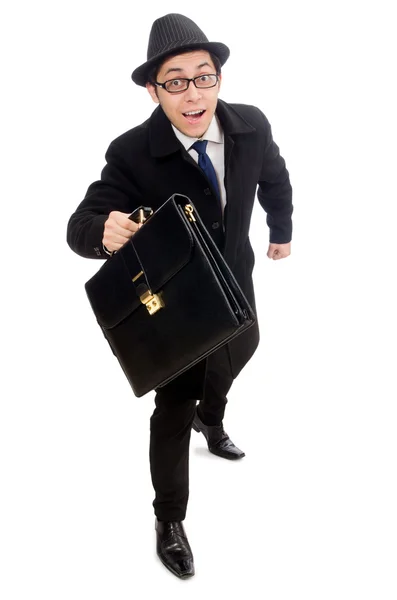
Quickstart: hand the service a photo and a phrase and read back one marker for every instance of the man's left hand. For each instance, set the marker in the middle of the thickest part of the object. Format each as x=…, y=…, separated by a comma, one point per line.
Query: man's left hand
x=277, y=251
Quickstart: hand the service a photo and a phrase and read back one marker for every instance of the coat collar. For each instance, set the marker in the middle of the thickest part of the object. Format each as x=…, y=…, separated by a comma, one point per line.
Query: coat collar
x=163, y=140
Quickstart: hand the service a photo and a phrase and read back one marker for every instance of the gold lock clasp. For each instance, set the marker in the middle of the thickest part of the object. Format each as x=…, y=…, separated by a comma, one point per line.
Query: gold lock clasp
x=153, y=302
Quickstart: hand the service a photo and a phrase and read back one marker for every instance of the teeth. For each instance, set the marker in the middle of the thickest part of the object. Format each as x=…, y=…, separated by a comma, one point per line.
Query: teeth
x=194, y=112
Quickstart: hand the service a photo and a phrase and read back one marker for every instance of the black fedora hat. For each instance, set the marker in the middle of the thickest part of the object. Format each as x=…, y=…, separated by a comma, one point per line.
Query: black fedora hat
x=172, y=33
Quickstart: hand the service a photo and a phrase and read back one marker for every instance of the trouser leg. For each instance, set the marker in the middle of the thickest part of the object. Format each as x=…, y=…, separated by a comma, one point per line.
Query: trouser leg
x=218, y=382
x=170, y=429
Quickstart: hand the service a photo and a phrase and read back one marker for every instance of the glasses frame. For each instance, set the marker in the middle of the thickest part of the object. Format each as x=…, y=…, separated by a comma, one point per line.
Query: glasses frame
x=163, y=85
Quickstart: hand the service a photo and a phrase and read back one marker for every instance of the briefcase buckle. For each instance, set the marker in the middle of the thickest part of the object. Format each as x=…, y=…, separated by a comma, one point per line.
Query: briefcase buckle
x=189, y=212
x=153, y=302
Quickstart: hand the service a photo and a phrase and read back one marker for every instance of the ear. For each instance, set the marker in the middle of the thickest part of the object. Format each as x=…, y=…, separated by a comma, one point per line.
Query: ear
x=220, y=81
x=153, y=92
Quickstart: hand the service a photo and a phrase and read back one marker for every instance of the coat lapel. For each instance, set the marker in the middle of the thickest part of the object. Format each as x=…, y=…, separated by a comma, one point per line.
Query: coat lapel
x=162, y=140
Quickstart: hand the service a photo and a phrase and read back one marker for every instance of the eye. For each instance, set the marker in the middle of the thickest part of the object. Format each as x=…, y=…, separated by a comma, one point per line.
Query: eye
x=204, y=78
x=175, y=83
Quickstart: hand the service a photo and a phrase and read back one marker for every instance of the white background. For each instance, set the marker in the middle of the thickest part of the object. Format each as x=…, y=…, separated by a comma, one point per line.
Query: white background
x=311, y=511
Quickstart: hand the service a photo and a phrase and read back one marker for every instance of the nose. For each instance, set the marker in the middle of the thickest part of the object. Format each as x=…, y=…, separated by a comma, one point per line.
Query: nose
x=192, y=93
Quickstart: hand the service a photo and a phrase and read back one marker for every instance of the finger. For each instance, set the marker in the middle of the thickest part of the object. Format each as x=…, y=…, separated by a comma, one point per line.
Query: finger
x=134, y=226
x=113, y=228
x=110, y=240
x=122, y=220
x=131, y=225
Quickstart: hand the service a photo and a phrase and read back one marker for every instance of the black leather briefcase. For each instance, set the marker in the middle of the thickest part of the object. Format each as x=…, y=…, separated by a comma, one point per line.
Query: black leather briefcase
x=167, y=298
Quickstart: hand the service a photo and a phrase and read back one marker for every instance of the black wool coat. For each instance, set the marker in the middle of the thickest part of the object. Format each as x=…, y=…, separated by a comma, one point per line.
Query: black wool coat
x=147, y=164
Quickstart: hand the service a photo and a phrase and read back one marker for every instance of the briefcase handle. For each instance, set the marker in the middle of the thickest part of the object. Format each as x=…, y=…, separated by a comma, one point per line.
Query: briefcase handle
x=141, y=214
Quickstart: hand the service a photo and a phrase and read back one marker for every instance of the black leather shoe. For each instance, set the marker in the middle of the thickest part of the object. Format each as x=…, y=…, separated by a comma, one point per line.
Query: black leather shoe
x=173, y=548
x=218, y=441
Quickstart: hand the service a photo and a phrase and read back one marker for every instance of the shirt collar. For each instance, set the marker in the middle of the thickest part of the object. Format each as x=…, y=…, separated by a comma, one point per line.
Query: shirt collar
x=214, y=133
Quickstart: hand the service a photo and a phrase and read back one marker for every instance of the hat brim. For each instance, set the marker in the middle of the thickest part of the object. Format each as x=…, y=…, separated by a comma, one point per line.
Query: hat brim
x=141, y=75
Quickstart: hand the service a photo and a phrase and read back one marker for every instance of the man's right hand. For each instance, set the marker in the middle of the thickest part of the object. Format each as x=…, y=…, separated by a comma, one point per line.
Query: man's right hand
x=118, y=230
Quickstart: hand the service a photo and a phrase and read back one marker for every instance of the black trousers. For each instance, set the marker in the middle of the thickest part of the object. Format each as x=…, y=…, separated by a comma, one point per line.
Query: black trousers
x=170, y=427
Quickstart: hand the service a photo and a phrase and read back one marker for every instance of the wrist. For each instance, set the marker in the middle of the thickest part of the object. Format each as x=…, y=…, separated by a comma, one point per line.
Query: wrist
x=106, y=250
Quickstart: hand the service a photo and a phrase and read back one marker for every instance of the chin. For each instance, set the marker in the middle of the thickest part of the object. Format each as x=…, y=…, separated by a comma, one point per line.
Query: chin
x=197, y=133
x=193, y=134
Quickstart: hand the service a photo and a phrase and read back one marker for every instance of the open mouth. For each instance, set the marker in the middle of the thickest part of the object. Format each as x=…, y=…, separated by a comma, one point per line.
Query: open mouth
x=194, y=116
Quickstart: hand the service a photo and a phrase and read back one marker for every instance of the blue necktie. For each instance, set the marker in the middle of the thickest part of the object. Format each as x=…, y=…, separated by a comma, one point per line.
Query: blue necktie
x=206, y=165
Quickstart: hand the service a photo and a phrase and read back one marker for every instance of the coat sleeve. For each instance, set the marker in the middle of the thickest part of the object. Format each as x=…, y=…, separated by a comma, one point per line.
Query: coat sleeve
x=116, y=190
x=275, y=191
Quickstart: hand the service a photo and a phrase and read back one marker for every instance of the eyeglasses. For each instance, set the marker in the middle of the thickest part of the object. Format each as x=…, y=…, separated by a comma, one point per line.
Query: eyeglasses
x=175, y=86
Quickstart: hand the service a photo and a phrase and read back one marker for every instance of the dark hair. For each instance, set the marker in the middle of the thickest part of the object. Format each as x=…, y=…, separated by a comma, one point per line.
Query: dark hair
x=152, y=75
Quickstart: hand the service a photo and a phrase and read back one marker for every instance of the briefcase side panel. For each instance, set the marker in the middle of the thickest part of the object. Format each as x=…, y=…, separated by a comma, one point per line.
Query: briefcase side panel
x=223, y=271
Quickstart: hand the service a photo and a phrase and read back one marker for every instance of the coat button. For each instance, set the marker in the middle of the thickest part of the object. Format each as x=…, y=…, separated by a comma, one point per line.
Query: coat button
x=207, y=192
x=215, y=225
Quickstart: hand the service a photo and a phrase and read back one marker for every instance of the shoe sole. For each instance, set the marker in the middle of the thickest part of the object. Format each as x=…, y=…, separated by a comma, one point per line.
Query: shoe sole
x=227, y=456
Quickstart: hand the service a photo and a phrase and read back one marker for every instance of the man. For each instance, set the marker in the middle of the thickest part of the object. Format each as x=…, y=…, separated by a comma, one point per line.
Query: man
x=221, y=173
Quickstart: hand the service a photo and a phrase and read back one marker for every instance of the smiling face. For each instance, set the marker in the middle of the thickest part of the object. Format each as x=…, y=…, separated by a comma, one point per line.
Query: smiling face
x=178, y=107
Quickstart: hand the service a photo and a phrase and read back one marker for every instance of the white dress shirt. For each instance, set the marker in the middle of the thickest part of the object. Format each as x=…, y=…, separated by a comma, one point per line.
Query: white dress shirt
x=215, y=151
